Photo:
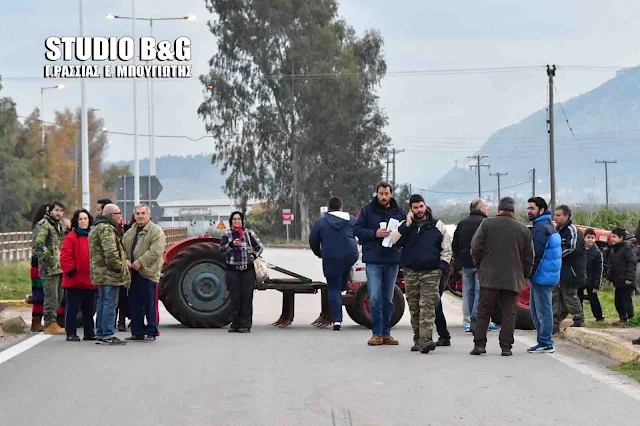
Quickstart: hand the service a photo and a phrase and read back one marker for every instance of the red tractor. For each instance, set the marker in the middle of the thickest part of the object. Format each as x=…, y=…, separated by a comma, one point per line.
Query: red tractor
x=193, y=289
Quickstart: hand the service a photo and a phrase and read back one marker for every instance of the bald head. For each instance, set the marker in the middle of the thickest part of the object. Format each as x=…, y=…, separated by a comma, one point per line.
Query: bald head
x=111, y=210
x=479, y=204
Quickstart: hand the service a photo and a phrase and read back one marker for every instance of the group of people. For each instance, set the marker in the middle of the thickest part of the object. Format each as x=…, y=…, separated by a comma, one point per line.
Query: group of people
x=98, y=264
x=420, y=245
x=498, y=256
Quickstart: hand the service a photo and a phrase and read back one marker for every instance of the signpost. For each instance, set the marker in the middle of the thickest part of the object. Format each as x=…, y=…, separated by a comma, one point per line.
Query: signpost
x=286, y=220
x=150, y=188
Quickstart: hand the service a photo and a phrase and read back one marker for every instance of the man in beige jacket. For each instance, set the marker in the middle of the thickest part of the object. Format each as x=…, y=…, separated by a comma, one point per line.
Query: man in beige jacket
x=144, y=244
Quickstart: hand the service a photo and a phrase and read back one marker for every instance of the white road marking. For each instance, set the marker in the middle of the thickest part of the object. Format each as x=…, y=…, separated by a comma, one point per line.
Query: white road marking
x=23, y=346
x=613, y=379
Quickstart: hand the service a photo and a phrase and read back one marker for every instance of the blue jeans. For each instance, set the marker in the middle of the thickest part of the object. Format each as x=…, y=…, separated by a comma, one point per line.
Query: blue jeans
x=541, y=306
x=142, y=302
x=335, y=285
x=106, y=311
x=381, y=281
x=470, y=294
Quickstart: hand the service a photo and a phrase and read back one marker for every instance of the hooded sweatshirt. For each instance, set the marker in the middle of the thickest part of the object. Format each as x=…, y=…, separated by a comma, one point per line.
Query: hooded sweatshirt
x=333, y=240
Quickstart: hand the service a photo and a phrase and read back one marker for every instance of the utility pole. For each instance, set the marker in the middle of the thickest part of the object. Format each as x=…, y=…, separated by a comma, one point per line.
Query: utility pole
x=388, y=162
x=606, y=176
x=478, y=166
x=295, y=154
x=551, y=72
x=533, y=181
x=498, y=174
x=394, y=152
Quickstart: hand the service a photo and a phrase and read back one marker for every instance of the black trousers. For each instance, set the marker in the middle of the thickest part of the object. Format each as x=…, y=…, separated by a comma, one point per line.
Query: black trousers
x=624, y=302
x=123, y=305
x=489, y=298
x=594, y=302
x=80, y=299
x=441, y=321
x=240, y=285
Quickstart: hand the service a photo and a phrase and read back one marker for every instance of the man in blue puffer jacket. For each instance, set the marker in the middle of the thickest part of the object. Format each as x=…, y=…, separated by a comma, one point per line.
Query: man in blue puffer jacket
x=333, y=241
x=545, y=274
x=382, y=262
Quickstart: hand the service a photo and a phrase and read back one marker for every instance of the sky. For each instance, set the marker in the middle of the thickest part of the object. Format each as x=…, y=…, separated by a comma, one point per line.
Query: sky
x=437, y=119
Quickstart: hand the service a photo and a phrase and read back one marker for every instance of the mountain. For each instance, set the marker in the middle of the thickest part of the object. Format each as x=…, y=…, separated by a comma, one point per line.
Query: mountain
x=605, y=123
x=185, y=178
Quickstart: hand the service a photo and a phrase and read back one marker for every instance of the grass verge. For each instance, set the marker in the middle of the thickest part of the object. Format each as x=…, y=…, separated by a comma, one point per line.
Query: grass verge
x=631, y=369
x=15, y=281
x=606, y=295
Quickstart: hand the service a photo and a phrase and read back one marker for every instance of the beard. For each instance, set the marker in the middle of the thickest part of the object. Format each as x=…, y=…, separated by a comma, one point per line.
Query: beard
x=420, y=216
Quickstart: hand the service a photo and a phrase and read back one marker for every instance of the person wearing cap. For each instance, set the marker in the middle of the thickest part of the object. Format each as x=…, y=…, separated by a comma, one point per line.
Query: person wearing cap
x=502, y=251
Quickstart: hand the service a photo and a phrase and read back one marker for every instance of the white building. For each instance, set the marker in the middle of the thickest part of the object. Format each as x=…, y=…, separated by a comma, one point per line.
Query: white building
x=199, y=216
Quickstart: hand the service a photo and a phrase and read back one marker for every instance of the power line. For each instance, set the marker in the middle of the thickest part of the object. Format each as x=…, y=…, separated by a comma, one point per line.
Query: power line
x=474, y=192
x=398, y=73
x=566, y=119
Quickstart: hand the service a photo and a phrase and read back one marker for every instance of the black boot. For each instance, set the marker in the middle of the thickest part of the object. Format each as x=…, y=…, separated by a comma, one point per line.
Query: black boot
x=478, y=351
x=122, y=326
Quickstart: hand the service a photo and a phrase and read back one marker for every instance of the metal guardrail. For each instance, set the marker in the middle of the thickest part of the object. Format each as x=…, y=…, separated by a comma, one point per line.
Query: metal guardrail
x=16, y=246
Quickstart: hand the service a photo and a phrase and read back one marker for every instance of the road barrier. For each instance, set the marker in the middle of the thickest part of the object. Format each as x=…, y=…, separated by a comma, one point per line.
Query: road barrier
x=16, y=246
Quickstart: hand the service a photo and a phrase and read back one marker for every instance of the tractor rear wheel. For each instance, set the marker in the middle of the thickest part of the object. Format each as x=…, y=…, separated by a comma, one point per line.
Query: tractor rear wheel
x=193, y=287
x=361, y=313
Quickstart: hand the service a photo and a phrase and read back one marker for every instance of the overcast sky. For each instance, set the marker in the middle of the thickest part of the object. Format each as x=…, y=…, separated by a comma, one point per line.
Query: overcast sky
x=419, y=35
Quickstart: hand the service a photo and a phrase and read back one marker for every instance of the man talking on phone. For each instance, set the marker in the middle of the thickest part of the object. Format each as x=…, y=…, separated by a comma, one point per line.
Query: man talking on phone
x=382, y=262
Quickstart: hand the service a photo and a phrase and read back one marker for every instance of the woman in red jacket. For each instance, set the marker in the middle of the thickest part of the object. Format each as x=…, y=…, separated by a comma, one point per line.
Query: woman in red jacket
x=76, y=278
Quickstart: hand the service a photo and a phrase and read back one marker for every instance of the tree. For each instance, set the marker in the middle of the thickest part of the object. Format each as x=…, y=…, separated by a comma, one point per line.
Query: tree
x=111, y=175
x=293, y=107
x=16, y=182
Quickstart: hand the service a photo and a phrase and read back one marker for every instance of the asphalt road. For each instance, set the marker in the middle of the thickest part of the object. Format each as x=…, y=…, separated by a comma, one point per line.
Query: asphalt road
x=305, y=376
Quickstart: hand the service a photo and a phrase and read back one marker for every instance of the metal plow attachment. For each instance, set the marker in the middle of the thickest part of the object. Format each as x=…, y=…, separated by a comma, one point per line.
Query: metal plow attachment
x=324, y=319
x=289, y=287
x=288, y=307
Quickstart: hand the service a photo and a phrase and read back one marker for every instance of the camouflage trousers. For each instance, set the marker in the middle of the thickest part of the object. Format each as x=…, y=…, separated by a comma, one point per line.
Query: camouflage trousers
x=422, y=292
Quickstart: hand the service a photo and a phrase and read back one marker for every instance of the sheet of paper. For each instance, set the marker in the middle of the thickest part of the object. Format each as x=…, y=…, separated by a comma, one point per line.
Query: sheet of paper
x=393, y=224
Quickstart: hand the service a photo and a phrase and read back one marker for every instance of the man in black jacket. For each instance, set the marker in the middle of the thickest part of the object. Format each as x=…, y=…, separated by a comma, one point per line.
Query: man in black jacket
x=426, y=253
x=572, y=274
x=461, y=247
x=594, y=274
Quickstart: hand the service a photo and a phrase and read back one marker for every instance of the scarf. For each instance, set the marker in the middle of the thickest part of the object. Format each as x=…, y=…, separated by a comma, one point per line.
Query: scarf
x=239, y=230
x=82, y=232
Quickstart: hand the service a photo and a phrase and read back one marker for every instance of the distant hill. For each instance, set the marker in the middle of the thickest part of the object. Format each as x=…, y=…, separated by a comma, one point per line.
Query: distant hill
x=605, y=121
x=191, y=177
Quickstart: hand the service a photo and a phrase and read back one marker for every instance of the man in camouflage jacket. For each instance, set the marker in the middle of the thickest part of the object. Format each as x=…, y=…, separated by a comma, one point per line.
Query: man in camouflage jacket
x=50, y=232
x=108, y=270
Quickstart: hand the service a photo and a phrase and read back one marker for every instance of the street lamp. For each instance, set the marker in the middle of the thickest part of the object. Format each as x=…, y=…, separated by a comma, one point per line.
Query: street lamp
x=151, y=117
x=42, y=89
